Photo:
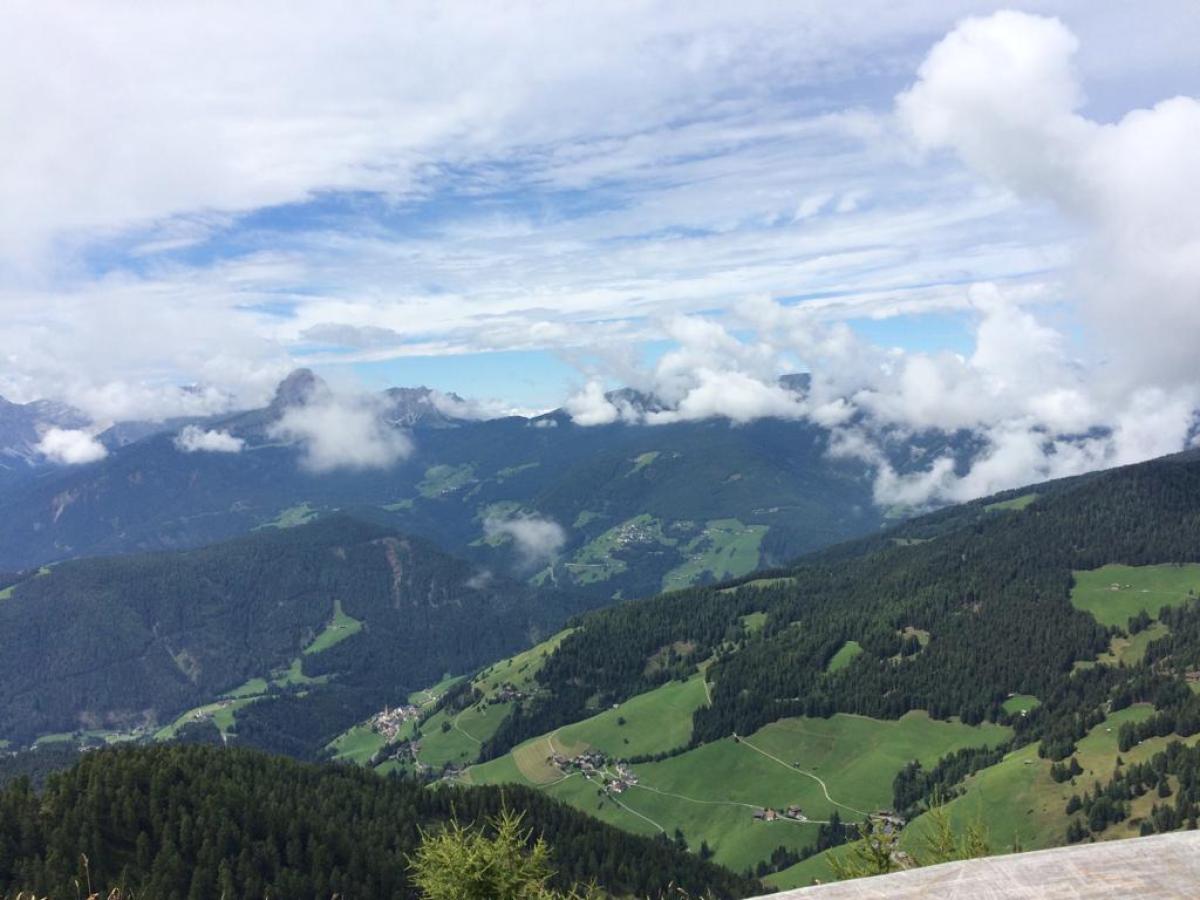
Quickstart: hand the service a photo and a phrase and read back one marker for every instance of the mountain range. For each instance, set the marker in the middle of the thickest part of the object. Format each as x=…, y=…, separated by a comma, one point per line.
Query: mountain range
x=620, y=510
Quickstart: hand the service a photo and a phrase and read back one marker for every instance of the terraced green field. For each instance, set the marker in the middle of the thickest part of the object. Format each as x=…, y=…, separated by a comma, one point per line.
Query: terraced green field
x=339, y=628
x=584, y=518
x=1130, y=651
x=726, y=548
x=430, y=695
x=1114, y=593
x=455, y=737
x=510, y=471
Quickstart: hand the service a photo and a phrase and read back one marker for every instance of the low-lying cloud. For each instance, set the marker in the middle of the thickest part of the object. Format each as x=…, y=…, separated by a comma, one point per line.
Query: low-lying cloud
x=71, y=446
x=338, y=432
x=193, y=439
x=537, y=539
x=1001, y=94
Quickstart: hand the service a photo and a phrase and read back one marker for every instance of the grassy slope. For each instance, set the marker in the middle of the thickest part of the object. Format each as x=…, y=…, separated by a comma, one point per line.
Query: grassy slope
x=339, y=628
x=1146, y=588
x=596, y=560
x=1020, y=703
x=726, y=549
x=1016, y=799
x=843, y=657
x=357, y=745
x=299, y=514
x=1131, y=650
x=459, y=744
x=655, y=722
x=710, y=792
x=1016, y=504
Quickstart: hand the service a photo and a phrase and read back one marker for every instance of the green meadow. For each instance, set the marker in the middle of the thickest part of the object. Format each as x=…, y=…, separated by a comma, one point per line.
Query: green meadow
x=710, y=793
x=1019, y=703
x=443, y=479
x=1114, y=593
x=726, y=548
x=299, y=514
x=1016, y=800
x=339, y=628
x=357, y=745
x=844, y=656
x=454, y=737
x=1016, y=504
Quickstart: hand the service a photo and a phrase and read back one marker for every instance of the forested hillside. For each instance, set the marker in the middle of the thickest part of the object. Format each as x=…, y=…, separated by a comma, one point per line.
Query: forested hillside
x=994, y=654
x=349, y=614
x=199, y=822
x=992, y=595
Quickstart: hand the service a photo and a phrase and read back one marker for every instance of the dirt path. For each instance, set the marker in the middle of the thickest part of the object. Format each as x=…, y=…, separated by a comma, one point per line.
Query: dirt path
x=630, y=809
x=655, y=790
x=824, y=788
x=463, y=731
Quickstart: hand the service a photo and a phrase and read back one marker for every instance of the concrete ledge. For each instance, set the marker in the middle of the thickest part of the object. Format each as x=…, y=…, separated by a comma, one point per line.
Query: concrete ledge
x=1161, y=866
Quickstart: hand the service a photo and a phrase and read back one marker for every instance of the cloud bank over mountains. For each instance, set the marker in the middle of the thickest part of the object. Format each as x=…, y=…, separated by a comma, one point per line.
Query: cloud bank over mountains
x=1000, y=93
x=745, y=188
x=341, y=432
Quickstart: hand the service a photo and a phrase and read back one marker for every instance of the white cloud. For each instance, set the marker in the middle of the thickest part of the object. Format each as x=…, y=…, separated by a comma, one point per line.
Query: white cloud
x=716, y=158
x=70, y=446
x=731, y=394
x=537, y=539
x=193, y=439
x=475, y=408
x=696, y=133
x=342, y=433
x=1003, y=94
x=589, y=406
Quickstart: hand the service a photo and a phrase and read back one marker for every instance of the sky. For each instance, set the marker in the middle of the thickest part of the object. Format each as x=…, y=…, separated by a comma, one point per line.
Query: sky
x=955, y=215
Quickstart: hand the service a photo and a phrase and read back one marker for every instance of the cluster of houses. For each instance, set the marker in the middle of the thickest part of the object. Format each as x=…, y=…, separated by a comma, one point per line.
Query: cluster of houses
x=207, y=712
x=507, y=693
x=404, y=752
x=888, y=820
x=770, y=815
x=391, y=720
x=884, y=818
x=622, y=779
x=615, y=775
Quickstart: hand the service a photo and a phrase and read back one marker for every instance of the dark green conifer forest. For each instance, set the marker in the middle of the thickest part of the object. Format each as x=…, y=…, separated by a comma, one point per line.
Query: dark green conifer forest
x=194, y=822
